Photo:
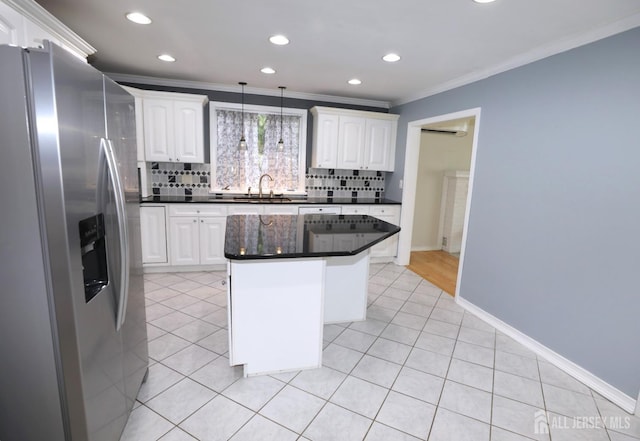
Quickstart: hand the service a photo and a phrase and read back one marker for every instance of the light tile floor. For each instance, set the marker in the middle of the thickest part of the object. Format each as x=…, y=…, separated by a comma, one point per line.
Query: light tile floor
x=419, y=368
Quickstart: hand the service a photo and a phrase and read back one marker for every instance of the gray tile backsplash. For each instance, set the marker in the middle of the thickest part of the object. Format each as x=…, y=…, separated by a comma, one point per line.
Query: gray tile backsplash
x=183, y=179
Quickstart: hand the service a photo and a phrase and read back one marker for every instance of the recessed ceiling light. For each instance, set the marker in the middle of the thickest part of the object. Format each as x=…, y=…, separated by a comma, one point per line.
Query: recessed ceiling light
x=138, y=17
x=280, y=40
x=354, y=82
x=267, y=70
x=166, y=57
x=391, y=58
x=484, y=1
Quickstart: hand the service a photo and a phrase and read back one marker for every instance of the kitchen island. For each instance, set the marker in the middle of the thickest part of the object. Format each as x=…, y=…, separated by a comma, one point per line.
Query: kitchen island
x=288, y=276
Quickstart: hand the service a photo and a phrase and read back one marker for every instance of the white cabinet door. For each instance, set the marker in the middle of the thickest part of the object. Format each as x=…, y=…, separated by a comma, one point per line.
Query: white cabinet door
x=154, y=234
x=185, y=240
x=351, y=142
x=377, y=152
x=11, y=26
x=189, y=136
x=390, y=214
x=212, y=231
x=158, y=129
x=325, y=141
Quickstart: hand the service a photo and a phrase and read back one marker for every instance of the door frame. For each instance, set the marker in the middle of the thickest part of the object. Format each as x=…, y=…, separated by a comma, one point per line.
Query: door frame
x=412, y=154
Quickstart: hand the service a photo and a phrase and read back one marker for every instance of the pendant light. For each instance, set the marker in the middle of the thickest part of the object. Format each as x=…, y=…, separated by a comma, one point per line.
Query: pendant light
x=281, y=142
x=242, y=145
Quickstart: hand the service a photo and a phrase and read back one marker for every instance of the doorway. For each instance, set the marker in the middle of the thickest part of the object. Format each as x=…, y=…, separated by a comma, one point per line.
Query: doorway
x=413, y=209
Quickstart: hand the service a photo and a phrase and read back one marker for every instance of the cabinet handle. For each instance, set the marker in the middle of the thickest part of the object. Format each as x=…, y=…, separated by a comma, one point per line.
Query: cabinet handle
x=195, y=220
x=178, y=159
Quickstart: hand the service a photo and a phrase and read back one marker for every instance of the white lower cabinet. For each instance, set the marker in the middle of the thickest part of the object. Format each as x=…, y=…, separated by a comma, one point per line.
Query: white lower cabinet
x=212, y=240
x=184, y=235
x=185, y=240
x=196, y=234
x=154, y=234
x=391, y=214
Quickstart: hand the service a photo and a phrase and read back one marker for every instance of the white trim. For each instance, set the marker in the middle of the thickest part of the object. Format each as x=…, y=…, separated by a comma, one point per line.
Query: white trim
x=529, y=57
x=579, y=373
x=138, y=79
x=302, y=146
x=41, y=17
x=412, y=154
x=444, y=194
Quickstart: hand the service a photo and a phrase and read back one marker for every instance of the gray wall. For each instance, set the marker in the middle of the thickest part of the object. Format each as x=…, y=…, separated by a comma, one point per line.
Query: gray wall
x=553, y=242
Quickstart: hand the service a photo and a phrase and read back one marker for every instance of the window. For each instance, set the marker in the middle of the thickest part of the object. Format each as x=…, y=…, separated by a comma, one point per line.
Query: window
x=235, y=171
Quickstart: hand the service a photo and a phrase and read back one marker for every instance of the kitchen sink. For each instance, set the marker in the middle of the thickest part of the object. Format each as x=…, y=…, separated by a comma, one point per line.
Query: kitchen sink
x=262, y=200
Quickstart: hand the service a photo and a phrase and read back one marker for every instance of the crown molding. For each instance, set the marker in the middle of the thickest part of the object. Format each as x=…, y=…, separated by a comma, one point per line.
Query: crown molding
x=167, y=82
x=41, y=17
x=529, y=57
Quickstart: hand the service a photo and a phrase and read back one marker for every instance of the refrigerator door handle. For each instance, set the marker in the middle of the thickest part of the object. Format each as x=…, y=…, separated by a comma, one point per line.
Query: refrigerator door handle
x=106, y=150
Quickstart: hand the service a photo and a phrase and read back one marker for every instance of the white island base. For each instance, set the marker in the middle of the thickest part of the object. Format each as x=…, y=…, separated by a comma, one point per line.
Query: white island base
x=277, y=308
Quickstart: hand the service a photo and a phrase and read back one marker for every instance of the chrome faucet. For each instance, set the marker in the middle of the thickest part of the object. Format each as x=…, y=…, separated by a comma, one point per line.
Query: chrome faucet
x=260, y=183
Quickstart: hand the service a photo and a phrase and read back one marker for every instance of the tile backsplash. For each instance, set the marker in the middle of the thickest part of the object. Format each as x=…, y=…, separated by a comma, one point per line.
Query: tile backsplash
x=178, y=179
x=183, y=179
x=344, y=183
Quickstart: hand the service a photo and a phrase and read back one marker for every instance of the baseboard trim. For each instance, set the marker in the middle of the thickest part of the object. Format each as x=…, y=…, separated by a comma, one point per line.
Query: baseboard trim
x=164, y=268
x=427, y=248
x=596, y=383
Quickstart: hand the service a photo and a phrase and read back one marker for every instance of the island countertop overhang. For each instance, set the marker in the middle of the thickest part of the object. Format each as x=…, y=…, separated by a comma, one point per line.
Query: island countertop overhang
x=252, y=237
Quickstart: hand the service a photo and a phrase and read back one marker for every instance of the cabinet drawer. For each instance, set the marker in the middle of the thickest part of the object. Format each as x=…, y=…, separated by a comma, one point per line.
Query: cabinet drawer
x=281, y=209
x=320, y=210
x=197, y=210
x=355, y=209
x=384, y=210
x=246, y=209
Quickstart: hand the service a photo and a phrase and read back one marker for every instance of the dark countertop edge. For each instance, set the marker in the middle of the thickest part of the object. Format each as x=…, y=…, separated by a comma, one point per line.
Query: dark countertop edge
x=227, y=200
x=310, y=255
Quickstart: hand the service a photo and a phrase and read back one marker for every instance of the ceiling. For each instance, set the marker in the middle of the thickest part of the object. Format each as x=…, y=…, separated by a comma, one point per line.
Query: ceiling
x=443, y=43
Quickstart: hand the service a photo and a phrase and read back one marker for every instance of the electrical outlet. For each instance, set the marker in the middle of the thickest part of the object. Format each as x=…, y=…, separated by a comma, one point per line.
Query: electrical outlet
x=400, y=184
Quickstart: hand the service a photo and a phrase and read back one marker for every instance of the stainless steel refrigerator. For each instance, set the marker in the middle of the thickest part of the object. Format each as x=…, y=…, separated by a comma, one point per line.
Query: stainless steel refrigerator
x=73, y=342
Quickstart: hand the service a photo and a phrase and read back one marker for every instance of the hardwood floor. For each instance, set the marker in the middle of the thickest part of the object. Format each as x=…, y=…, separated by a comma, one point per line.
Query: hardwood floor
x=438, y=267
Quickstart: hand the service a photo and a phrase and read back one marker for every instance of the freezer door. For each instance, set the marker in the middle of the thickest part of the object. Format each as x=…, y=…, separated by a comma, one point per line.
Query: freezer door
x=121, y=132
x=69, y=146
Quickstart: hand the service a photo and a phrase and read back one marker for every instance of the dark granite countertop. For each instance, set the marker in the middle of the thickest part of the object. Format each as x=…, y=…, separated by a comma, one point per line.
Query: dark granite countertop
x=219, y=199
x=251, y=237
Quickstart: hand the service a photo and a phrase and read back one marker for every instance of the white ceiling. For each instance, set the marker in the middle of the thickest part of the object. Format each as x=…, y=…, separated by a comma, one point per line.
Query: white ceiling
x=443, y=43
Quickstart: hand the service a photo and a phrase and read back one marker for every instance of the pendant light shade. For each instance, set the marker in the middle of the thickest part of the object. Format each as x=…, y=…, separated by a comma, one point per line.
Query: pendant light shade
x=281, y=142
x=242, y=145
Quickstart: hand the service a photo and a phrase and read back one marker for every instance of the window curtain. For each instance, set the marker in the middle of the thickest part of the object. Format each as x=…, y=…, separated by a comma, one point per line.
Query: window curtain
x=239, y=170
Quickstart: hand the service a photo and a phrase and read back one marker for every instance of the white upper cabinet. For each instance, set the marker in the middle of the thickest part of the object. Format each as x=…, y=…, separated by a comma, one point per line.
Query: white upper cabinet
x=325, y=141
x=27, y=24
x=173, y=127
x=11, y=26
x=189, y=131
x=379, y=151
x=353, y=140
